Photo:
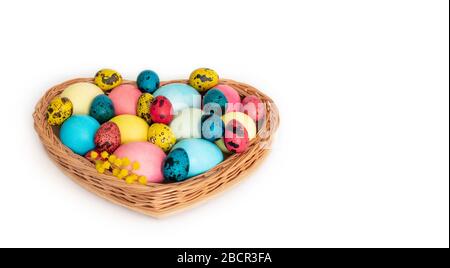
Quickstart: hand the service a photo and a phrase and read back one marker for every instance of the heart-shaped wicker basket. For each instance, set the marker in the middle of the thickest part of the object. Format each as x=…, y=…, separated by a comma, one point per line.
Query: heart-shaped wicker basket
x=156, y=199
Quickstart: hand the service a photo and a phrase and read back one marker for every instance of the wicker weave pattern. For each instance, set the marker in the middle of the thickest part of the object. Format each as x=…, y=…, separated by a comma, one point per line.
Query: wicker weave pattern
x=156, y=199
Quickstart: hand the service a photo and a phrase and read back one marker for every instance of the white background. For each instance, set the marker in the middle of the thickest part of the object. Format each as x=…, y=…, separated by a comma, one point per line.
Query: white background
x=360, y=159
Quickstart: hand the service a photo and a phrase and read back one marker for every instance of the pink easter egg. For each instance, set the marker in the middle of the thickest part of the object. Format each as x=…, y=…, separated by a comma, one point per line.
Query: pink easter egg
x=236, y=137
x=233, y=98
x=149, y=156
x=254, y=107
x=125, y=98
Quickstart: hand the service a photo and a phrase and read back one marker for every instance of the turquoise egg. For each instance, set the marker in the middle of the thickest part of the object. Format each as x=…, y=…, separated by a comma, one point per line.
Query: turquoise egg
x=148, y=81
x=212, y=127
x=176, y=165
x=194, y=156
x=181, y=96
x=213, y=100
x=78, y=133
x=102, y=109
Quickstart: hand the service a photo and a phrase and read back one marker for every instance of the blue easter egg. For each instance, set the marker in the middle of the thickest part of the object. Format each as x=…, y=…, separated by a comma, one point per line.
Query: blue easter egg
x=203, y=155
x=78, y=133
x=102, y=109
x=212, y=127
x=148, y=81
x=213, y=100
x=181, y=96
x=176, y=166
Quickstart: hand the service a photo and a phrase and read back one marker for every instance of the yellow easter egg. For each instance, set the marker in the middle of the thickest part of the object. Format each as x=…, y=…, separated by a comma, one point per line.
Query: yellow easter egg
x=81, y=95
x=58, y=111
x=143, y=106
x=107, y=79
x=162, y=136
x=131, y=127
x=242, y=118
x=203, y=79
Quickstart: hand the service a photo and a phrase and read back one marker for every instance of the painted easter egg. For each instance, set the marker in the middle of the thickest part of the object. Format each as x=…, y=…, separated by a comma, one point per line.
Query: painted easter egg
x=107, y=137
x=181, y=96
x=199, y=156
x=143, y=107
x=81, y=95
x=125, y=98
x=148, y=81
x=78, y=133
x=132, y=128
x=246, y=121
x=231, y=95
x=102, y=109
x=149, y=156
x=214, y=102
x=59, y=110
x=161, y=110
x=176, y=166
x=187, y=124
x=253, y=107
x=236, y=137
x=225, y=97
x=212, y=127
x=107, y=79
x=203, y=79
x=162, y=136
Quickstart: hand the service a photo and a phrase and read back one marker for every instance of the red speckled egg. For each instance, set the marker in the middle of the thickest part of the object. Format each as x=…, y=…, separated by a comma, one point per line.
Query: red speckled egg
x=107, y=137
x=236, y=137
x=161, y=110
x=253, y=107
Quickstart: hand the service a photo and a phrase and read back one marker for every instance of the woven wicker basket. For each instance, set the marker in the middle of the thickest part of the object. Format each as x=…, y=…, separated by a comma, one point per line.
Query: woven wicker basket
x=156, y=199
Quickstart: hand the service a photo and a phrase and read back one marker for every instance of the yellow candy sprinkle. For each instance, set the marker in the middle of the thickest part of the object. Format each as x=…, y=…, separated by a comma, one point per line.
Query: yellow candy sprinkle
x=124, y=172
x=142, y=180
x=106, y=165
x=136, y=165
x=120, y=176
x=118, y=162
x=112, y=158
x=104, y=154
x=94, y=155
x=125, y=161
x=116, y=171
x=131, y=179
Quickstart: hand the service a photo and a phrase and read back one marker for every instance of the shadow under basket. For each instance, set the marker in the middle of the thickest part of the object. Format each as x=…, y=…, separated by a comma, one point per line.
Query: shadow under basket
x=157, y=199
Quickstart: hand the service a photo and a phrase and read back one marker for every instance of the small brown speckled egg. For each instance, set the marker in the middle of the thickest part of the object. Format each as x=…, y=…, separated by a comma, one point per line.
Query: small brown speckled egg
x=143, y=107
x=162, y=136
x=59, y=110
